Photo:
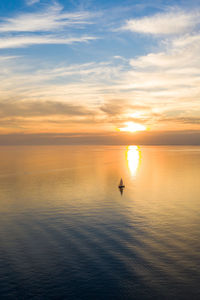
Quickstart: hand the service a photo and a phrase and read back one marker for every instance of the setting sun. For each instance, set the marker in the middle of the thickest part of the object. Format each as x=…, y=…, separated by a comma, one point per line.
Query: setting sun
x=133, y=127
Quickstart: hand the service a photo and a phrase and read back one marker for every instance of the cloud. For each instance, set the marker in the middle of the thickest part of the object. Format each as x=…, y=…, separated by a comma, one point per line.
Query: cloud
x=46, y=27
x=7, y=58
x=184, y=119
x=186, y=40
x=117, y=107
x=52, y=19
x=179, y=53
x=24, y=41
x=169, y=75
x=167, y=23
x=40, y=108
x=32, y=2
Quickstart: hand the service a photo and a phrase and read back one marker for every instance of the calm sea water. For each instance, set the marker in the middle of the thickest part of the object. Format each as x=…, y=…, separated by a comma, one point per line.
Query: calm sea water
x=66, y=232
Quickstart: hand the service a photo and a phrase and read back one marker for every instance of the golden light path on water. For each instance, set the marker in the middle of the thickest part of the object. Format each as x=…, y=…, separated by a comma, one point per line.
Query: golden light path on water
x=133, y=156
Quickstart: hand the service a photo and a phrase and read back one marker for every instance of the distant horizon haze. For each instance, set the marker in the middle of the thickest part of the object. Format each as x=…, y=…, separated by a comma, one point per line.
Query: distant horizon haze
x=138, y=138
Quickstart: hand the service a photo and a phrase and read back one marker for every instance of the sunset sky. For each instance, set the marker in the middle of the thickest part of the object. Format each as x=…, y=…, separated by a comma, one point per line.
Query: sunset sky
x=99, y=71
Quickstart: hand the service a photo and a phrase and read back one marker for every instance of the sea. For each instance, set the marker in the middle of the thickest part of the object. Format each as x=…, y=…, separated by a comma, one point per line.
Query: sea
x=68, y=232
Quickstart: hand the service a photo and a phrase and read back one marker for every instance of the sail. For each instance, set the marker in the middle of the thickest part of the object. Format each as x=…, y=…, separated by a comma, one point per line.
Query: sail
x=121, y=182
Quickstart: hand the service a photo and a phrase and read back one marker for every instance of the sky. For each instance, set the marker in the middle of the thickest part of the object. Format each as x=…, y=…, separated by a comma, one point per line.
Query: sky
x=80, y=72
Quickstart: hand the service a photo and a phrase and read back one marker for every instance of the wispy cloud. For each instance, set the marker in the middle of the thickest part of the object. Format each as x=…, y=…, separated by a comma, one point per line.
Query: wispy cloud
x=121, y=107
x=172, y=22
x=28, y=109
x=7, y=58
x=24, y=41
x=50, y=26
x=32, y=2
x=51, y=19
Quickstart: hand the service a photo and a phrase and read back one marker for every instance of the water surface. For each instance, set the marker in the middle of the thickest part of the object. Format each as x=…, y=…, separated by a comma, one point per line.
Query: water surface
x=66, y=232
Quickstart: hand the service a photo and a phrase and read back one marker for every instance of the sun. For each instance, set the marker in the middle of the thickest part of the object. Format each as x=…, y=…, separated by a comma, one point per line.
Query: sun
x=133, y=127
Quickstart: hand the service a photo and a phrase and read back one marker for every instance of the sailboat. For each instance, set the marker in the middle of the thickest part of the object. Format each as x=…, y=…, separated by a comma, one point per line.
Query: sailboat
x=121, y=184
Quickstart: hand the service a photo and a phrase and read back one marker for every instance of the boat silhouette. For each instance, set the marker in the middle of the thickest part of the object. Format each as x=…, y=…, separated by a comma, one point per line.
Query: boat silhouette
x=121, y=184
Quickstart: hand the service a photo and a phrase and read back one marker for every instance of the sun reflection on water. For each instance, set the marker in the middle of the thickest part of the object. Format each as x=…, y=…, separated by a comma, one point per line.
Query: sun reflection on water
x=133, y=156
